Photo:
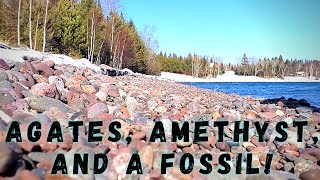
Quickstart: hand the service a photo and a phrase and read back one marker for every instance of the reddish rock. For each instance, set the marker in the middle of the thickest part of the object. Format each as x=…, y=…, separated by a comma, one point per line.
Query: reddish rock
x=26, y=145
x=113, y=92
x=4, y=65
x=139, y=135
x=223, y=146
x=58, y=72
x=125, y=112
x=44, y=69
x=106, y=117
x=43, y=89
x=97, y=109
x=26, y=174
x=50, y=63
x=177, y=116
x=45, y=164
x=76, y=78
x=28, y=68
x=67, y=142
x=268, y=115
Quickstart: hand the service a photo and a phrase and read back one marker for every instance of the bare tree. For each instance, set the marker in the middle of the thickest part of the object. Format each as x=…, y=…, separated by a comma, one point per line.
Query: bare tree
x=30, y=23
x=196, y=65
x=19, y=12
x=36, y=33
x=44, y=27
x=112, y=7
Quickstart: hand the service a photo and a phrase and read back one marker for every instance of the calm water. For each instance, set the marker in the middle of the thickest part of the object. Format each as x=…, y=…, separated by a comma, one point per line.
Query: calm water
x=308, y=91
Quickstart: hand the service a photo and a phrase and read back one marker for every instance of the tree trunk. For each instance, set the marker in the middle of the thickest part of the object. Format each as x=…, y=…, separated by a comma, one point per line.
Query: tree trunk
x=44, y=27
x=36, y=33
x=30, y=23
x=88, y=48
x=19, y=11
x=91, y=39
x=112, y=40
x=100, y=48
x=121, y=56
x=93, y=45
x=115, y=52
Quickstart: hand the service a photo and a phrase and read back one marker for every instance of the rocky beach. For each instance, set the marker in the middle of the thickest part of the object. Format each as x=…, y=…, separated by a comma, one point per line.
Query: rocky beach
x=42, y=90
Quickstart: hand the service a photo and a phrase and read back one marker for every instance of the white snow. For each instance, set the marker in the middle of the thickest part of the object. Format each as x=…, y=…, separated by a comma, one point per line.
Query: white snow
x=17, y=54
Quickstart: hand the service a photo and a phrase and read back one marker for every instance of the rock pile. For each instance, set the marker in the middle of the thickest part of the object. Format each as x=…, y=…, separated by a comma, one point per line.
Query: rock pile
x=46, y=92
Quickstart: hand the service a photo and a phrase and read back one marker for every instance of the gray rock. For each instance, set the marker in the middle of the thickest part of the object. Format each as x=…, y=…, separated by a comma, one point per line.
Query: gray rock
x=40, y=156
x=303, y=167
x=131, y=103
x=42, y=104
x=3, y=76
x=288, y=166
x=152, y=104
x=5, y=85
x=304, y=110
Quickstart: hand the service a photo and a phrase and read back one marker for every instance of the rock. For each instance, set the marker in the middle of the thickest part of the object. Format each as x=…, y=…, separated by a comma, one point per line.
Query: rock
x=4, y=65
x=5, y=117
x=5, y=85
x=3, y=76
x=39, y=79
x=280, y=113
x=181, y=143
x=97, y=109
x=26, y=174
x=161, y=109
x=44, y=69
x=57, y=81
x=223, y=146
x=304, y=110
x=41, y=104
x=131, y=103
x=8, y=158
x=89, y=89
x=102, y=95
x=119, y=163
x=268, y=115
x=288, y=166
x=113, y=92
x=303, y=167
x=152, y=104
x=288, y=120
x=6, y=98
x=43, y=89
x=146, y=154
x=310, y=175
x=28, y=68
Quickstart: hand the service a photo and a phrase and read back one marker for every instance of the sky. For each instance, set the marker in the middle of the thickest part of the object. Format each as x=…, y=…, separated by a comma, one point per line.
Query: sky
x=230, y=28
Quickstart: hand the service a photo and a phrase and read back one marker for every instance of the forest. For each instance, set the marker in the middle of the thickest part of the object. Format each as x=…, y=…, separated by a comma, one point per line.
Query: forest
x=98, y=31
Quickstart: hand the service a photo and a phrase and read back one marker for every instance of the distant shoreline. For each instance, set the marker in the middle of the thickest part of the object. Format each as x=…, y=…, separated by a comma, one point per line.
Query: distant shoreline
x=231, y=78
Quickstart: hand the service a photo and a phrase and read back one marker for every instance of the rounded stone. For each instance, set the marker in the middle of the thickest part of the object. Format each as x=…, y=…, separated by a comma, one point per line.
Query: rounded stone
x=97, y=109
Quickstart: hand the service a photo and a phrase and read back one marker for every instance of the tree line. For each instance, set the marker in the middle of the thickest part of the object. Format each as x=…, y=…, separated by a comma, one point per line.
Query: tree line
x=202, y=66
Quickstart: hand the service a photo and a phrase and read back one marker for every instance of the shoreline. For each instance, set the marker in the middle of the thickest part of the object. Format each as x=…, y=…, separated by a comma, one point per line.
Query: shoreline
x=231, y=78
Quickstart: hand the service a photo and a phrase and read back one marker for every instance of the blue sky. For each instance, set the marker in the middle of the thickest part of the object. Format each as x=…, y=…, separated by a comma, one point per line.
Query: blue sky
x=229, y=28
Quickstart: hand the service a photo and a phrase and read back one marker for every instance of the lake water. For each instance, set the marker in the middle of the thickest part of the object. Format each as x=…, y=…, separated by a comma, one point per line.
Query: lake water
x=302, y=90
